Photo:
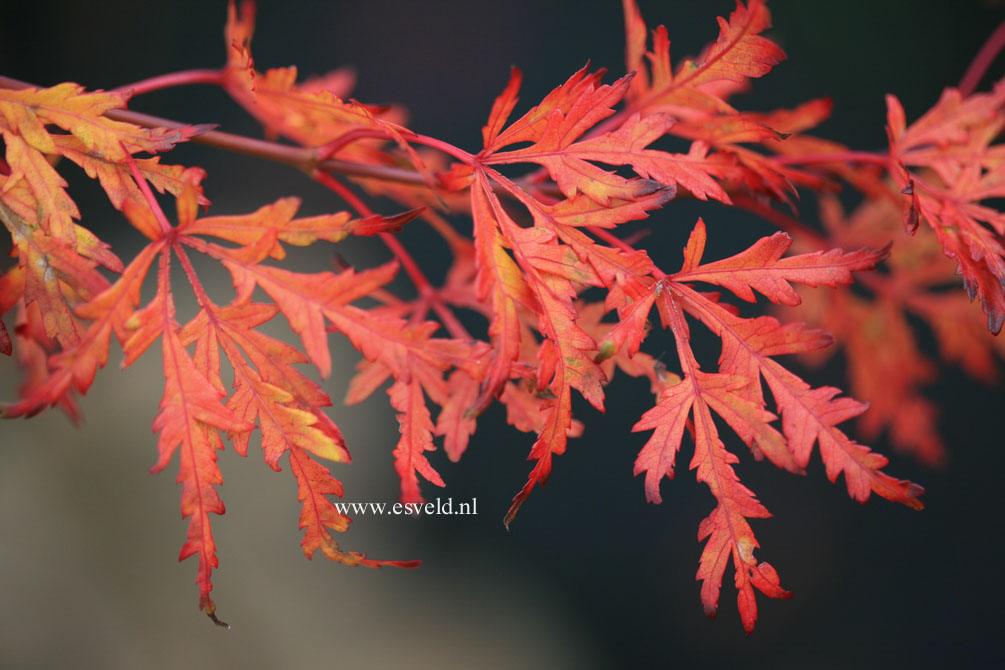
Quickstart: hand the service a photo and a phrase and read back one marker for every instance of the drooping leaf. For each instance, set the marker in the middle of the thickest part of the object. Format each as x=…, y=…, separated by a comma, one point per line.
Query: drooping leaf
x=887, y=366
x=191, y=414
x=808, y=416
x=954, y=140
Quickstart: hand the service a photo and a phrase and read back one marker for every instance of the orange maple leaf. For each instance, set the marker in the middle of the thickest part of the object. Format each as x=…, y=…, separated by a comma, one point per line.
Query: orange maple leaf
x=808, y=416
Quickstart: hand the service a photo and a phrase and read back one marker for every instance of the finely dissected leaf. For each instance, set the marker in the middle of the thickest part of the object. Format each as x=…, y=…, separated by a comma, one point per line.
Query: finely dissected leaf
x=286, y=405
x=309, y=300
x=301, y=298
x=762, y=268
x=416, y=437
x=553, y=128
x=304, y=299
x=556, y=124
x=191, y=412
x=318, y=515
x=583, y=211
x=311, y=114
x=59, y=258
x=726, y=529
x=309, y=117
x=454, y=421
x=563, y=360
x=73, y=369
x=56, y=211
x=68, y=106
x=52, y=266
x=954, y=141
x=566, y=113
x=886, y=364
x=249, y=229
x=499, y=279
x=696, y=96
x=56, y=272
x=115, y=177
x=288, y=409
x=808, y=416
x=502, y=108
x=668, y=419
x=550, y=261
x=738, y=54
x=95, y=138
x=270, y=391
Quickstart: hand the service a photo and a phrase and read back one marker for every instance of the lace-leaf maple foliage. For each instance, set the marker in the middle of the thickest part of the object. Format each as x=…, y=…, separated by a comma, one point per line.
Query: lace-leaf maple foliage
x=538, y=252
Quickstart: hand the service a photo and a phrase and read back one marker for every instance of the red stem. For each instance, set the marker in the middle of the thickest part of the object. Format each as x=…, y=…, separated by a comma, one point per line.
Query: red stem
x=982, y=61
x=617, y=242
x=305, y=158
x=338, y=143
x=445, y=147
x=450, y=321
x=422, y=284
x=147, y=193
x=427, y=293
x=200, y=293
x=787, y=223
x=186, y=77
x=836, y=157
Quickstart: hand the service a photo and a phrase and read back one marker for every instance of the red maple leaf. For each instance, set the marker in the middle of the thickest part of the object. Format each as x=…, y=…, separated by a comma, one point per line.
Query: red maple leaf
x=953, y=142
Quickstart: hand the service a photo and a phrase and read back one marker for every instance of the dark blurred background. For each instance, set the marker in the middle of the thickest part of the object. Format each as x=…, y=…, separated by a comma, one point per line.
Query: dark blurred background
x=590, y=575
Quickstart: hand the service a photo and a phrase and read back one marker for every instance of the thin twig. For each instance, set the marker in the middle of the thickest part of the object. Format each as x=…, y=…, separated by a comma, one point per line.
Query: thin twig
x=982, y=61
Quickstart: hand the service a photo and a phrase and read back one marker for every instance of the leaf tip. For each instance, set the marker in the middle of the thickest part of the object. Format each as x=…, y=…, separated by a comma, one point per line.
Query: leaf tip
x=511, y=514
x=201, y=128
x=217, y=621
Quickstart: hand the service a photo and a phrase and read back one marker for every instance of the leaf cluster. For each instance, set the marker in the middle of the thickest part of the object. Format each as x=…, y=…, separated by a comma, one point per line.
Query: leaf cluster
x=568, y=300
